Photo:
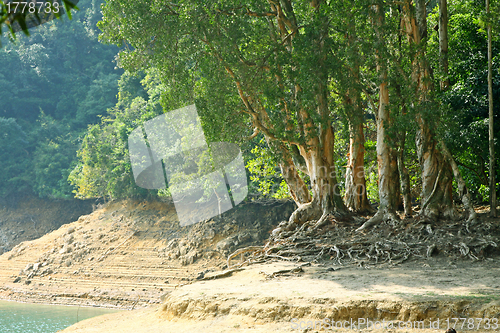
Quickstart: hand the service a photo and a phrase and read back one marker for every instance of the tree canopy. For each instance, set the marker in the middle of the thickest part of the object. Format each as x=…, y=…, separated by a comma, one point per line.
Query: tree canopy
x=296, y=67
x=339, y=105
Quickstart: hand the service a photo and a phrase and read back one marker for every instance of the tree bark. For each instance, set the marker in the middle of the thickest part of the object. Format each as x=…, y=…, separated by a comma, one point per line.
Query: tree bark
x=493, y=190
x=296, y=185
x=387, y=163
x=404, y=178
x=437, y=199
x=386, y=157
x=319, y=154
x=325, y=188
x=462, y=189
x=355, y=197
x=437, y=190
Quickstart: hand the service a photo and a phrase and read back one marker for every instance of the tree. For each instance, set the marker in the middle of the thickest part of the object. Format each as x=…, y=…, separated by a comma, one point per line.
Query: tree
x=436, y=161
x=103, y=168
x=289, y=71
x=278, y=57
x=351, y=54
x=386, y=153
x=465, y=103
x=493, y=191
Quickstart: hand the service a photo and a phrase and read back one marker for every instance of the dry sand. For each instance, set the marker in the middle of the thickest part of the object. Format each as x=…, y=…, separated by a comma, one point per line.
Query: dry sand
x=255, y=300
x=133, y=255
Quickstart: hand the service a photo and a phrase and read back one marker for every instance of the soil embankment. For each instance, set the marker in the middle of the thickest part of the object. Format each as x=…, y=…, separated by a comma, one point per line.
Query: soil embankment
x=135, y=255
x=25, y=217
x=279, y=297
x=128, y=254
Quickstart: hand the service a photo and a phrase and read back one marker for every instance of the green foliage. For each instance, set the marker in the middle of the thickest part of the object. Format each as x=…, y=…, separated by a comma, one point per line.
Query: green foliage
x=103, y=168
x=214, y=54
x=465, y=104
x=62, y=69
x=372, y=185
x=15, y=175
x=100, y=97
x=204, y=51
x=265, y=174
x=52, y=158
x=484, y=191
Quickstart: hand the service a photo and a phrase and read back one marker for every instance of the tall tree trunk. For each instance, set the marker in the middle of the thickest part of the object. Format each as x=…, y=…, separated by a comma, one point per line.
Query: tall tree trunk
x=387, y=163
x=325, y=188
x=386, y=156
x=316, y=142
x=437, y=190
x=493, y=191
x=355, y=197
x=462, y=189
x=443, y=42
x=296, y=185
x=319, y=155
x=404, y=178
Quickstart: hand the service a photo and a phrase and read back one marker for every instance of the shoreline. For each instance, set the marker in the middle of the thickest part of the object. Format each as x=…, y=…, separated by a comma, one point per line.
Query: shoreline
x=267, y=297
x=128, y=254
x=58, y=304
x=75, y=300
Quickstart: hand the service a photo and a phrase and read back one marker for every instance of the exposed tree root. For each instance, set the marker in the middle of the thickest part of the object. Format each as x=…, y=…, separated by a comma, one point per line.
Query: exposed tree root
x=462, y=189
x=307, y=212
x=379, y=217
x=241, y=252
x=386, y=243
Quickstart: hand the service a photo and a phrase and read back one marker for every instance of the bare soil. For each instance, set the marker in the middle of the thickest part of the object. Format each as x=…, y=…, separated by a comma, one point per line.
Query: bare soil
x=133, y=255
x=256, y=300
x=127, y=254
x=26, y=217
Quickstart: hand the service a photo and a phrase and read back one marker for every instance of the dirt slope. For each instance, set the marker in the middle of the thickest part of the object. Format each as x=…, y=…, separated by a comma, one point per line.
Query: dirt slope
x=278, y=297
x=26, y=217
x=128, y=254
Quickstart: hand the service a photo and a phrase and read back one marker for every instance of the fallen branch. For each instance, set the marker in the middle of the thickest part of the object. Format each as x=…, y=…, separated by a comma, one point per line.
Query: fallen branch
x=242, y=251
x=222, y=275
x=283, y=271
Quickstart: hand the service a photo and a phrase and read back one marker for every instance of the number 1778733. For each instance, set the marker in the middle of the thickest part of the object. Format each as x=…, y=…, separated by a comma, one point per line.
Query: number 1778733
x=32, y=7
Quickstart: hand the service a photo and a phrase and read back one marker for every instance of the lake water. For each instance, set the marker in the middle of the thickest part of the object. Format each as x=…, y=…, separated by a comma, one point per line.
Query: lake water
x=35, y=318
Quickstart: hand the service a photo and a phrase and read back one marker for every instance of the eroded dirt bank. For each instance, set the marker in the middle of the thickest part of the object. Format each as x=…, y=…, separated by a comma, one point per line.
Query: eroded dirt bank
x=26, y=217
x=133, y=255
x=128, y=254
x=283, y=297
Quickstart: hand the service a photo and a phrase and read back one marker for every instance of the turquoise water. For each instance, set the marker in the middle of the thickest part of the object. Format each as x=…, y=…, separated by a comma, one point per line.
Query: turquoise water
x=35, y=318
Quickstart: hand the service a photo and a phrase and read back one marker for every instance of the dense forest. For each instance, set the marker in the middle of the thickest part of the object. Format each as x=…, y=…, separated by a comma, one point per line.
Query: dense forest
x=53, y=83
x=367, y=106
